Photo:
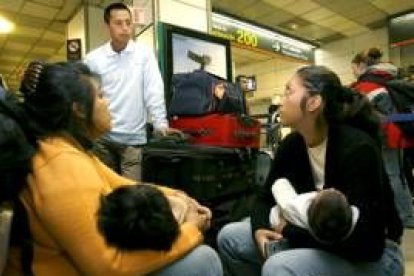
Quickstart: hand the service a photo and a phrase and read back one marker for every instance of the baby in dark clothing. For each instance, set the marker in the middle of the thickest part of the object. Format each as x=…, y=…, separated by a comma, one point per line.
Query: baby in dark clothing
x=138, y=217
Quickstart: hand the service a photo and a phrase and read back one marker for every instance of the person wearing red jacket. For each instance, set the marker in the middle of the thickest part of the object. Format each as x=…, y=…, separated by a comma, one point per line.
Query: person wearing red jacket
x=372, y=75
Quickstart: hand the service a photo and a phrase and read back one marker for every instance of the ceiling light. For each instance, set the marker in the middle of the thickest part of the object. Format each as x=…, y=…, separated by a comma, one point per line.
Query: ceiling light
x=293, y=26
x=6, y=26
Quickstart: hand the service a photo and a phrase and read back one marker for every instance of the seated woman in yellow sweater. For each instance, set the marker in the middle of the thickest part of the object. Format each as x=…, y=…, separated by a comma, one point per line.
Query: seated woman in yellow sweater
x=63, y=111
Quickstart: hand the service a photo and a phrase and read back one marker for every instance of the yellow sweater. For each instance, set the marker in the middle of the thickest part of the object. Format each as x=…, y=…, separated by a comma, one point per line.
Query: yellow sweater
x=62, y=200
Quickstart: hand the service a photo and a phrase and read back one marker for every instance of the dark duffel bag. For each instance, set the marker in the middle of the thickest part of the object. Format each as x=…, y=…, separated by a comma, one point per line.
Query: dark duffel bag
x=192, y=94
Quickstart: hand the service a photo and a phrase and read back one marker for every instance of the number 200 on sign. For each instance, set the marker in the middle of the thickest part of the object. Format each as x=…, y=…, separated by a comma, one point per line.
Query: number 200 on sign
x=246, y=38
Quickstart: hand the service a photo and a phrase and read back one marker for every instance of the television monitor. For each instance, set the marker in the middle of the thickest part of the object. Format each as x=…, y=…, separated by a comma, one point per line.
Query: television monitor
x=401, y=30
x=187, y=50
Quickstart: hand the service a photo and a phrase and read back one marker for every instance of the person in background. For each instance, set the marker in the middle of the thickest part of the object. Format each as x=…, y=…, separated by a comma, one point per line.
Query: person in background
x=334, y=144
x=410, y=73
x=55, y=225
x=227, y=99
x=132, y=83
x=372, y=75
x=273, y=112
x=273, y=128
x=409, y=151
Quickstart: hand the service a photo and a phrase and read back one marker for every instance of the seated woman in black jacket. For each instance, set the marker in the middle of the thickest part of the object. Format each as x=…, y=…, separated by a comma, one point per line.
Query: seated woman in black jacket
x=335, y=145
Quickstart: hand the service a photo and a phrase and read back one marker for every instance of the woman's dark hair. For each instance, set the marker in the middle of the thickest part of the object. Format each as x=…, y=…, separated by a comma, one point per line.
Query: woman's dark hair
x=17, y=147
x=137, y=217
x=50, y=92
x=16, y=152
x=369, y=57
x=341, y=104
x=114, y=6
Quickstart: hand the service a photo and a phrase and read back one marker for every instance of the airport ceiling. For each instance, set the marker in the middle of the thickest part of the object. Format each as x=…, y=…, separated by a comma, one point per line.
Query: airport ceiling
x=40, y=33
x=41, y=24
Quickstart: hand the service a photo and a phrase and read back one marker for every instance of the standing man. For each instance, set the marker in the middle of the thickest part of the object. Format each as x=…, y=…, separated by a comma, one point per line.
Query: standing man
x=132, y=83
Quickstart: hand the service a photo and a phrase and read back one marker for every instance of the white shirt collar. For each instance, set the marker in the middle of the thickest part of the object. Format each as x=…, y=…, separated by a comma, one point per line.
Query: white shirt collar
x=110, y=52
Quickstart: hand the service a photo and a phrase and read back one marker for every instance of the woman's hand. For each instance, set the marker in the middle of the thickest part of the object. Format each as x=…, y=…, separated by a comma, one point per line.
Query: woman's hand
x=264, y=235
x=204, y=211
x=199, y=218
x=195, y=207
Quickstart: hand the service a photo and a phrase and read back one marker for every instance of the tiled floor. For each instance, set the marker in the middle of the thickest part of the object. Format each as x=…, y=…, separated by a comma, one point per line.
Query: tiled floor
x=408, y=247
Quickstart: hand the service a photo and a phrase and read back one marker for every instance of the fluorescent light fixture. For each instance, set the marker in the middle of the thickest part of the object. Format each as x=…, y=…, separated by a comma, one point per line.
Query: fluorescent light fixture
x=402, y=18
x=6, y=26
x=293, y=26
x=271, y=34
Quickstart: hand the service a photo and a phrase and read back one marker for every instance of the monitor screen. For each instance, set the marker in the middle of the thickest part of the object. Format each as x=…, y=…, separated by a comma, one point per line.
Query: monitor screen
x=184, y=50
x=401, y=30
x=187, y=50
x=192, y=53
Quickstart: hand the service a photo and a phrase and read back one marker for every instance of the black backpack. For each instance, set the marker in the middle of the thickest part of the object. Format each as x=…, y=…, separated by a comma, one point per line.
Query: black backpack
x=402, y=95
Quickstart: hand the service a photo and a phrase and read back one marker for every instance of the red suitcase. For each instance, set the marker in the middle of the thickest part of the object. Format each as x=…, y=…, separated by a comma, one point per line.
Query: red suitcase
x=224, y=130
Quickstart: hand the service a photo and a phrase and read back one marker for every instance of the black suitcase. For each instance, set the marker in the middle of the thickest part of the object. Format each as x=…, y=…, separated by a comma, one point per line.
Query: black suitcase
x=209, y=174
x=220, y=178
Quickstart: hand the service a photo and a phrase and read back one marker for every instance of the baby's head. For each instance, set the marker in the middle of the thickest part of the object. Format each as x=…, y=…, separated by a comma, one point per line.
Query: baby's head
x=330, y=217
x=137, y=217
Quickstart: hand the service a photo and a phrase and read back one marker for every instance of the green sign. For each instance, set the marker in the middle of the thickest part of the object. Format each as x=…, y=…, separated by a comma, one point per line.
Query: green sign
x=251, y=36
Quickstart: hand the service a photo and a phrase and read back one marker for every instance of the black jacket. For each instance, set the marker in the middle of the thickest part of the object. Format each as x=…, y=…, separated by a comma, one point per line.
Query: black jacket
x=354, y=166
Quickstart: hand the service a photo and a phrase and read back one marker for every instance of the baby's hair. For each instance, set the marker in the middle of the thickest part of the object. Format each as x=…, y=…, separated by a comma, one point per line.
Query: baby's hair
x=137, y=217
x=330, y=217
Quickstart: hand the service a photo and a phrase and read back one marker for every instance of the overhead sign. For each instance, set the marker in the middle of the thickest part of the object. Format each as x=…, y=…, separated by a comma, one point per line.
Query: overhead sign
x=252, y=36
x=74, y=49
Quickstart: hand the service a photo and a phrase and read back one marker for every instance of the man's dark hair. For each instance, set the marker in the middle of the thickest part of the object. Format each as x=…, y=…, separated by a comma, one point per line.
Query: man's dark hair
x=137, y=217
x=114, y=6
x=330, y=217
